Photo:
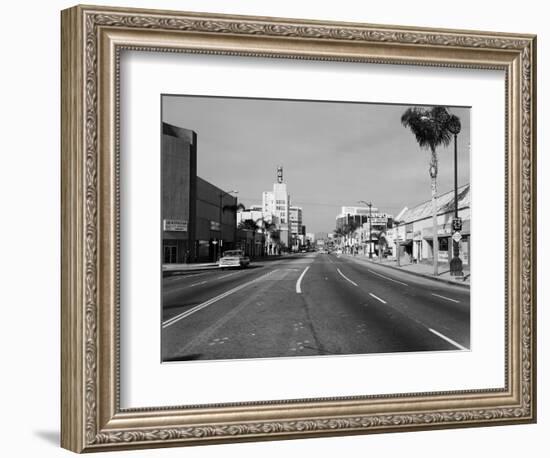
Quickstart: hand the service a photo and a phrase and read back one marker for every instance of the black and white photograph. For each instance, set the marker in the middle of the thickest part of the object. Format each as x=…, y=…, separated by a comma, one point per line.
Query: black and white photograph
x=303, y=228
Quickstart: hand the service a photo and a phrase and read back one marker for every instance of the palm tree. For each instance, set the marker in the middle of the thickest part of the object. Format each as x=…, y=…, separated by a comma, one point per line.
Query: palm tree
x=339, y=233
x=234, y=208
x=250, y=225
x=429, y=126
x=267, y=227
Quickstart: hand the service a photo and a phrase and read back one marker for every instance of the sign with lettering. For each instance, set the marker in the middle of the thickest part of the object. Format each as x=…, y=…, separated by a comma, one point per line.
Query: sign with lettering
x=214, y=225
x=174, y=225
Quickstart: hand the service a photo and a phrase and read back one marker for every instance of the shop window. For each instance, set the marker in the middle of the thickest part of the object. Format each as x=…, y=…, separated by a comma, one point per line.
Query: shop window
x=444, y=244
x=170, y=254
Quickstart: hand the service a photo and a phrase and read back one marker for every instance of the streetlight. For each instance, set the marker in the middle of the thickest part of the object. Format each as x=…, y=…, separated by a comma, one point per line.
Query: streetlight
x=220, y=241
x=369, y=204
x=454, y=127
x=397, y=243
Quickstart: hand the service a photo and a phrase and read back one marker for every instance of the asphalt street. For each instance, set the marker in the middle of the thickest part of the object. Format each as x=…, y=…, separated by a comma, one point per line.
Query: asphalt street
x=310, y=304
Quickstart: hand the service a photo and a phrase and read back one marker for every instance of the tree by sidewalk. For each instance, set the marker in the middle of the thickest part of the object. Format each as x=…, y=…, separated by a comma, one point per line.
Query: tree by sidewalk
x=430, y=128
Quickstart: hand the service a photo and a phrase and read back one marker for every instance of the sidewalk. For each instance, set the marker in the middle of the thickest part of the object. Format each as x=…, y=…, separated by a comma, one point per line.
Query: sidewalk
x=420, y=269
x=173, y=269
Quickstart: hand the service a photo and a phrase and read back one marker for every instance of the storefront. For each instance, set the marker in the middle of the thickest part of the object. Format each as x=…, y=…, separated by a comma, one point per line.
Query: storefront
x=417, y=234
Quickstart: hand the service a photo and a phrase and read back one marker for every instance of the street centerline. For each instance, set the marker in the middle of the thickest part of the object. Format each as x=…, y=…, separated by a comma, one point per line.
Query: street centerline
x=378, y=299
x=451, y=341
x=387, y=278
x=351, y=281
x=299, y=282
x=195, y=309
x=447, y=298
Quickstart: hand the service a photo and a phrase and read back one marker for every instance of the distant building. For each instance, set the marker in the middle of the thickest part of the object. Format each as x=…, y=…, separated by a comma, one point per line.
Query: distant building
x=362, y=229
x=297, y=229
x=321, y=236
x=257, y=215
x=295, y=218
x=360, y=216
x=277, y=202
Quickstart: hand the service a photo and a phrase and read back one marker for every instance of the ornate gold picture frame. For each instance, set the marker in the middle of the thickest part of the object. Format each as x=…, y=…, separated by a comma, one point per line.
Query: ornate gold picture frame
x=93, y=39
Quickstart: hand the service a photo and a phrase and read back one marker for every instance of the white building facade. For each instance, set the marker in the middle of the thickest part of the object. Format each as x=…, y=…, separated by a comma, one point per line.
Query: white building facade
x=277, y=203
x=414, y=231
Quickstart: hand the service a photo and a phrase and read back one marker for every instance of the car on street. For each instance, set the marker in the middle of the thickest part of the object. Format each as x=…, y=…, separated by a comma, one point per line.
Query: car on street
x=234, y=258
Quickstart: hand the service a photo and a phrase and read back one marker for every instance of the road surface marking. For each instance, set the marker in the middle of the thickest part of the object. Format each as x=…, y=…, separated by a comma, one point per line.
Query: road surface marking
x=387, y=278
x=195, y=309
x=351, y=281
x=182, y=276
x=299, y=282
x=199, y=283
x=378, y=299
x=447, y=298
x=451, y=341
x=229, y=275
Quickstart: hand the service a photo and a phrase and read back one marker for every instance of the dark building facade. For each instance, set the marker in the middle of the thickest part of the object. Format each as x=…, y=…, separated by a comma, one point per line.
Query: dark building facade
x=178, y=193
x=198, y=218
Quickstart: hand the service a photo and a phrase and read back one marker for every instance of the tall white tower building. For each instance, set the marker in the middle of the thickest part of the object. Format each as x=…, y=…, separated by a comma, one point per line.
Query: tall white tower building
x=277, y=202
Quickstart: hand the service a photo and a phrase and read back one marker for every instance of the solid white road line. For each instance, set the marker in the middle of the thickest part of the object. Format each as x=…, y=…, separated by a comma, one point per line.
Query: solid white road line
x=229, y=275
x=378, y=299
x=447, y=298
x=182, y=276
x=451, y=341
x=351, y=281
x=195, y=309
x=387, y=278
x=299, y=282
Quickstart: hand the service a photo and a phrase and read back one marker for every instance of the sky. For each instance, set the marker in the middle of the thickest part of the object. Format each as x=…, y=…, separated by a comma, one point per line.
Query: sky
x=333, y=153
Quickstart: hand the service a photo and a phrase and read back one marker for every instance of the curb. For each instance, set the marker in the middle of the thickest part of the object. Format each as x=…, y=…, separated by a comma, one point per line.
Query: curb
x=191, y=269
x=169, y=273
x=418, y=274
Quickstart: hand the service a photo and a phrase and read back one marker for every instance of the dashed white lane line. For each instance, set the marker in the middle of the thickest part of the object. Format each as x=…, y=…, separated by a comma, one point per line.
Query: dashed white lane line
x=447, y=298
x=387, y=278
x=299, y=282
x=195, y=309
x=451, y=341
x=351, y=281
x=377, y=298
x=199, y=283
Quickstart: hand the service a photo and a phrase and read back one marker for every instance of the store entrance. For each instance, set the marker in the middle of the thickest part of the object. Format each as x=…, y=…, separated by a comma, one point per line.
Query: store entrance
x=170, y=254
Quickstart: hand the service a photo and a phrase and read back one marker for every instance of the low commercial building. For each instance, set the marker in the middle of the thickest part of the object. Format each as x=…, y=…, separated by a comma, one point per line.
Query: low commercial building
x=359, y=216
x=362, y=229
x=414, y=230
x=198, y=218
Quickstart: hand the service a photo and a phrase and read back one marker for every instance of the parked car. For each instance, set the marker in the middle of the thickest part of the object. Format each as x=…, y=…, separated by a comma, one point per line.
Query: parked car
x=233, y=258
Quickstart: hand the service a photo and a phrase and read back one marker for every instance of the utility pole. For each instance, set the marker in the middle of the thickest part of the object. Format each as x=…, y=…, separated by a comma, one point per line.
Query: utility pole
x=453, y=125
x=220, y=241
x=369, y=204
